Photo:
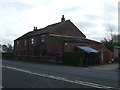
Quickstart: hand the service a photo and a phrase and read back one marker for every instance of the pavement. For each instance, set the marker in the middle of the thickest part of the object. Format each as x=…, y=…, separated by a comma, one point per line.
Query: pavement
x=111, y=67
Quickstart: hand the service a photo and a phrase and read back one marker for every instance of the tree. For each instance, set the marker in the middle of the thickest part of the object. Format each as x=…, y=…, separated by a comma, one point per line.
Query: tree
x=110, y=31
x=116, y=38
x=7, y=48
x=10, y=48
x=112, y=39
x=4, y=47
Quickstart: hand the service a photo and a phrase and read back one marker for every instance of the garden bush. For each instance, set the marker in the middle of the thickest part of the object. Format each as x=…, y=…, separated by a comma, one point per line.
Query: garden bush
x=73, y=58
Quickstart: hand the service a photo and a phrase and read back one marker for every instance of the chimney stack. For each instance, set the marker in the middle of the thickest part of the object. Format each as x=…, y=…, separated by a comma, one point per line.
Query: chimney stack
x=62, y=19
x=35, y=28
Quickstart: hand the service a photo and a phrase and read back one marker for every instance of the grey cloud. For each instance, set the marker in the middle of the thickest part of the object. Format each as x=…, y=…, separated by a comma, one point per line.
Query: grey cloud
x=96, y=36
x=15, y=5
x=6, y=41
x=112, y=26
x=85, y=24
x=109, y=8
x=71, y=9
x=104, y=17
x=10, y=32
x=108, y=11
x=91, y=16
x=46, y=2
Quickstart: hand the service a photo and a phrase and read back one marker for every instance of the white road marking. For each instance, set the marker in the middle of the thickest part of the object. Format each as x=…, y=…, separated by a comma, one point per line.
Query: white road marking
x=61, y=78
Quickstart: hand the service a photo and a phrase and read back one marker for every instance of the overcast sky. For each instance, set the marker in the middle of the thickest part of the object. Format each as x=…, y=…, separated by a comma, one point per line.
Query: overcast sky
x=18, y=17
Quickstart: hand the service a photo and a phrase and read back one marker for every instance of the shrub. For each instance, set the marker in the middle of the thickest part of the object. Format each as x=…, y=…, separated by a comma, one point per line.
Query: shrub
x=7, y=55
x=73, y=58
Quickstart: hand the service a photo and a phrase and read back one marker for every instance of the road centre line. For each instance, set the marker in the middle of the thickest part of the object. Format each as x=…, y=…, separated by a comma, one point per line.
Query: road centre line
x=60, y=78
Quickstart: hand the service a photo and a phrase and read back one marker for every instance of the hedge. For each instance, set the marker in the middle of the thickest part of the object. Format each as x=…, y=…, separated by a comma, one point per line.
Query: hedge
x=7, y=55
x=74, y=58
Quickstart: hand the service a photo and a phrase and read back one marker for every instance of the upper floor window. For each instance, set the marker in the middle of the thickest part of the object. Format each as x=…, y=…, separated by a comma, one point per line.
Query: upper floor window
x=17, y=43
x=25, y=42
x=42, y=38
x=32, y=40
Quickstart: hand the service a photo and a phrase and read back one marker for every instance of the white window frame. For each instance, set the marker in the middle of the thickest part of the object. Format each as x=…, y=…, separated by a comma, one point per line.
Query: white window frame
x=32, y=40
x=25, y=42
x=42, y=38
x=17, y=43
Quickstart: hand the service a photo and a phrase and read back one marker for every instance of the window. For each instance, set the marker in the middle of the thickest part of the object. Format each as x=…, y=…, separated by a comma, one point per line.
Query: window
x=32, y=40
x=66, y=44
x=25, y=42
x=42, y=38
x=17, y=43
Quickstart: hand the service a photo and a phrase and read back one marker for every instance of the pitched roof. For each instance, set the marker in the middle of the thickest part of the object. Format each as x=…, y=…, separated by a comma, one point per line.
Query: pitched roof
x=78, y=39
x=26, y=35
x=47, y=29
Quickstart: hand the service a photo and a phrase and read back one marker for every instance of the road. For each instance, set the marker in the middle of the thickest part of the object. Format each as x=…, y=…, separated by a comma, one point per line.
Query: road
x=18, y=74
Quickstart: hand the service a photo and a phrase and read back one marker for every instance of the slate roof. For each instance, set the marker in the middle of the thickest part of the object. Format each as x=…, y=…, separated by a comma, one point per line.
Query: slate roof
x=84, y=40
x=26, y=35
x=47, y=29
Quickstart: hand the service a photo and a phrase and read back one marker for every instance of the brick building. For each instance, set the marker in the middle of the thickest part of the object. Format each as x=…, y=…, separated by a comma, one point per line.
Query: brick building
x=55, y=39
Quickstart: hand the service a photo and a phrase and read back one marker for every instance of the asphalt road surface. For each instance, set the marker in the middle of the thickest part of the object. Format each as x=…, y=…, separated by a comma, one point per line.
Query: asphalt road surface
x=19, y=74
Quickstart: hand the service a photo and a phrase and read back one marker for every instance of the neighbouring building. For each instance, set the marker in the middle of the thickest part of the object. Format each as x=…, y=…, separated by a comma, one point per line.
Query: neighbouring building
x=52, y=41
x=117, y=52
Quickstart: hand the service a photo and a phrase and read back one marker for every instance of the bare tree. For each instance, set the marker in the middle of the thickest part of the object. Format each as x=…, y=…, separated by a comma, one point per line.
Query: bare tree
x=110, y=29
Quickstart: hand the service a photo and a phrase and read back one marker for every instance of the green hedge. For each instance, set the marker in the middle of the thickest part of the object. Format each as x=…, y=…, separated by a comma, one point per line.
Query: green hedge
x=73, y=58
x=7, y=55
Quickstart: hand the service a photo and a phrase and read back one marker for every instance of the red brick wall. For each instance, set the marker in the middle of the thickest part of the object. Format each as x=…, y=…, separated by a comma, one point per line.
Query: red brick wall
x=71, y=45
x=35, y=46
x=20, y=47
x=107, y=56
x=54, y=44
x=50, y=45
x=68, y=29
